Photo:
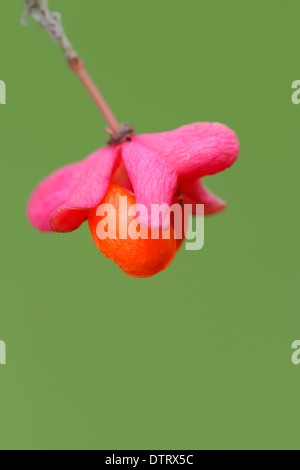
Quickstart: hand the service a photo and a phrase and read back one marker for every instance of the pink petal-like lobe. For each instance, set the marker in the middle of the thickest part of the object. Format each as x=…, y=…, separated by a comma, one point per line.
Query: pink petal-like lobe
x=154, y=182
x=195, y=150
x=194, y=192
x=60, y=203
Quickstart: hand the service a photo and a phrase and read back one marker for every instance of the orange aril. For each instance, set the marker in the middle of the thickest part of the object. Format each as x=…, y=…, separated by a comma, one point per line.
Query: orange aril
x=141, y=257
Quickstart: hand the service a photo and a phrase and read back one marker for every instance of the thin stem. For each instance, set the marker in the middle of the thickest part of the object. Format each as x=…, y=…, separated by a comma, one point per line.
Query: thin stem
x=51, y=23
x=78, y=67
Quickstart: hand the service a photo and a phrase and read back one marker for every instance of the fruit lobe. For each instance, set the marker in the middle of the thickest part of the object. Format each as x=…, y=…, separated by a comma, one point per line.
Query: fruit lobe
x=136, y=257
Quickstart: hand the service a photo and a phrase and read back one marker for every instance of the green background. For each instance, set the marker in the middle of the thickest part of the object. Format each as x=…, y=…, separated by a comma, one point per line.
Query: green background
x=200, y=355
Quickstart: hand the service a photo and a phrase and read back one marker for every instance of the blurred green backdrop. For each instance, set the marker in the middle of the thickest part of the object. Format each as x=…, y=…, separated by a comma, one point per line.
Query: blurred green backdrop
x=199, y=356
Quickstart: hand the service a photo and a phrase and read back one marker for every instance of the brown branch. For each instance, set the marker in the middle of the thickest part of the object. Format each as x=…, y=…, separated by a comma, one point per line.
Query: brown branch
x=52, y=24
